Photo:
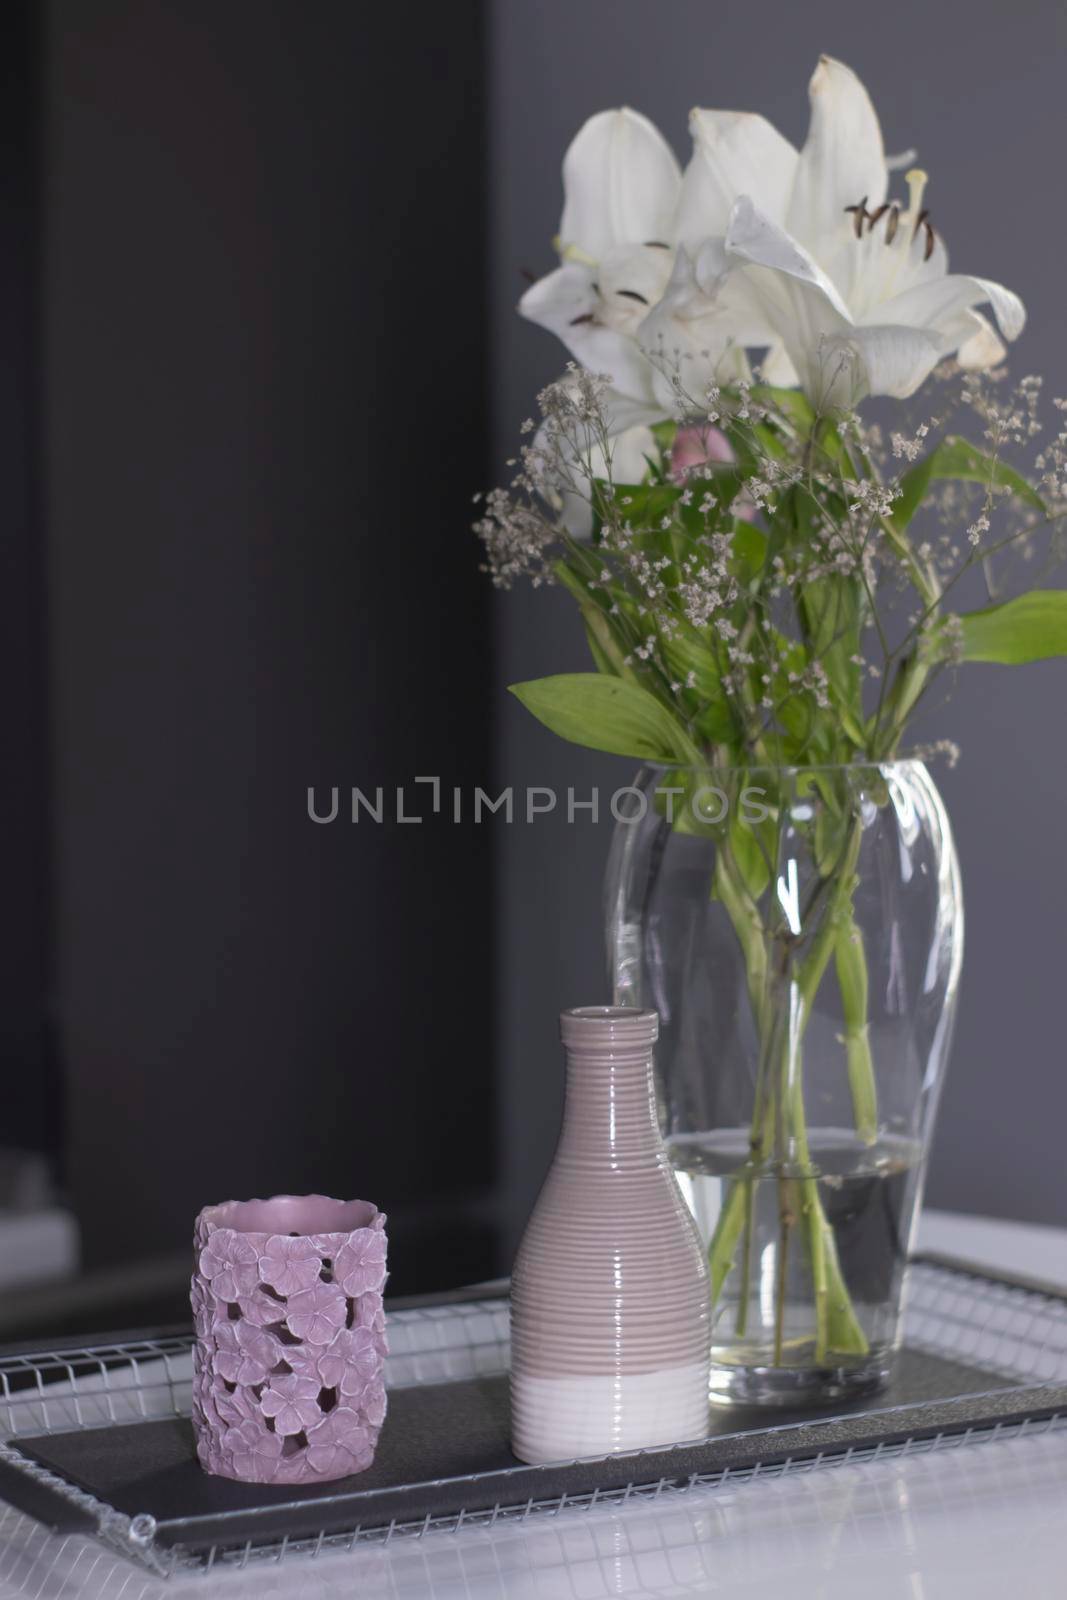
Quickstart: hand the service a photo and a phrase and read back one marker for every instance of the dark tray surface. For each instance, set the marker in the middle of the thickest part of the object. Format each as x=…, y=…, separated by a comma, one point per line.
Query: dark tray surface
x=438, y=1437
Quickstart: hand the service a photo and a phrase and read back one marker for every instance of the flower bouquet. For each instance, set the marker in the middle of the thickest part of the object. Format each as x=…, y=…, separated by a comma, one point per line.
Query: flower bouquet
x=772, y=585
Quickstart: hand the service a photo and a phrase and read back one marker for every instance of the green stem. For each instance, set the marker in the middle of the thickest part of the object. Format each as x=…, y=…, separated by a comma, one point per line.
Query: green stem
x=908, y=685
x=744, y=914
x=727, y=1233
x=785, y=1229
x=780, y=1118
x=810, y=972
x=836, y=1325
x=739, y=1213
x=851, y=962
x=745, y=1290
x=816, y=1230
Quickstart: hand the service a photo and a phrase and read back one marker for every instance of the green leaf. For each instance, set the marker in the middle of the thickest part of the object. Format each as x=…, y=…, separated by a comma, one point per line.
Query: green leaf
x=958, y=458
x=752, y=860
x=641, y=504
x=832, y=447
x=829, y=835
x=1030, y=628
x=753, y=442
x=792, y=403
x=664, y=434
x=609, y=714
x=677, y=797
x=687, y=653
x=748, y=550
x=605, y=647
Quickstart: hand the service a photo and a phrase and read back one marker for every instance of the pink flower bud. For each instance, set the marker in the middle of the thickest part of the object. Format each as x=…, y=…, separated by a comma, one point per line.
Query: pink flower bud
x=694, y=447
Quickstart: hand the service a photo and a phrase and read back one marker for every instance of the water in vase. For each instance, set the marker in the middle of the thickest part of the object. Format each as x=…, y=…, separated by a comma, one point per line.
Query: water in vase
x=767, y=1339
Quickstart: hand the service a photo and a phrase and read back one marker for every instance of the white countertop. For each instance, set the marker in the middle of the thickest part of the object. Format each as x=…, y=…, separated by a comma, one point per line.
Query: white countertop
x=1025, y=1248
x=977, y=1522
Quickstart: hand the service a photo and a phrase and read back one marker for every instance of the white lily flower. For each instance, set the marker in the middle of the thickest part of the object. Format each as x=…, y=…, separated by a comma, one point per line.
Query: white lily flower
x=620, y=186
x=850, y=291
x=697, y=334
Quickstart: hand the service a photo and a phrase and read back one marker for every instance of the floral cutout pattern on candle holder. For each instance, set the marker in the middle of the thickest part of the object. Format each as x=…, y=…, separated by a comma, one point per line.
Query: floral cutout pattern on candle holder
x=290, y=1338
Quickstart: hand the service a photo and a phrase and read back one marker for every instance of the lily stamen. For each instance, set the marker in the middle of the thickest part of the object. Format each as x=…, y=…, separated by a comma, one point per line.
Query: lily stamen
x=916, y=181
x=572, y=252
x=873, y=218
x=859, y=216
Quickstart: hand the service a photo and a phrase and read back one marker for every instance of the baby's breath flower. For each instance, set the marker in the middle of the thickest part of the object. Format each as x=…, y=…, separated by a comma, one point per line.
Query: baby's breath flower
x=946, y=749
x=784, y=556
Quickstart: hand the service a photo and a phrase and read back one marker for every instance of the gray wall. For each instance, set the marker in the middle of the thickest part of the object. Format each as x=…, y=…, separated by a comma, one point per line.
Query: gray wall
x=983, y=101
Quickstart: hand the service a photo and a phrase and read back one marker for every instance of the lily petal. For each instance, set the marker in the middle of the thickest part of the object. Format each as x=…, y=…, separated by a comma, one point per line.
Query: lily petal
x=979, y=347
x=802, y=307
x=753, y=238
x=938, y=304
x=696, y=335
x=777, y=369
x=842, y=162
x=734, y=153
x=565, y=302
x=620, y=184
x=629, y=279
x=895, y=360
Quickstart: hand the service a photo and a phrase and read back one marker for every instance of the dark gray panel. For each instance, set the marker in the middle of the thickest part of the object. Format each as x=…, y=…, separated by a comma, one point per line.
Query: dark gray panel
x=262, y=445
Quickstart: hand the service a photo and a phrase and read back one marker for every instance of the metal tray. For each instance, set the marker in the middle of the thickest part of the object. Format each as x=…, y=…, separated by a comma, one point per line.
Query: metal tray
x=99, y=1440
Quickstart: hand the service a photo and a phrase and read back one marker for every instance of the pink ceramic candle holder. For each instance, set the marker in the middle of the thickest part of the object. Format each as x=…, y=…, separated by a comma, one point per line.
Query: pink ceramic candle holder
x=290, y=1338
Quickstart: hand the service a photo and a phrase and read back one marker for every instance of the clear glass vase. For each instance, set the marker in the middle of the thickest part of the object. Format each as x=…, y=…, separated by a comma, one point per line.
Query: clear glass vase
x=800, y=932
